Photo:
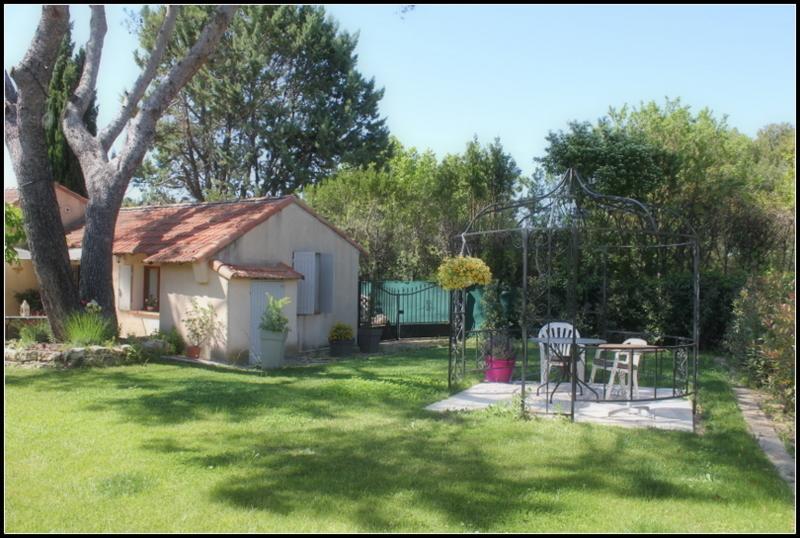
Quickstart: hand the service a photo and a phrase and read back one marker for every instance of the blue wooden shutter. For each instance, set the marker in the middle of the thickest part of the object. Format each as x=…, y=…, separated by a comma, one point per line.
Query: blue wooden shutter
x=305, y=263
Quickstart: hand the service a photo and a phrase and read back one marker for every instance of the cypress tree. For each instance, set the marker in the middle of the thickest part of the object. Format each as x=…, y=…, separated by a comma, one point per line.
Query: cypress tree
x=66, y=74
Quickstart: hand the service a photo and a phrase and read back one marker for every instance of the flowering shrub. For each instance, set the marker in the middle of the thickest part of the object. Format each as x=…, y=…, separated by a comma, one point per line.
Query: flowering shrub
x=463, y=272
x=761, y=336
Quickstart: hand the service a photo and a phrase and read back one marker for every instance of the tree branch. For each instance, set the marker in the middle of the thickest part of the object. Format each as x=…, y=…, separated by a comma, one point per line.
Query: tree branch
x=142, y=127
x=112, y=131
x=85, y=146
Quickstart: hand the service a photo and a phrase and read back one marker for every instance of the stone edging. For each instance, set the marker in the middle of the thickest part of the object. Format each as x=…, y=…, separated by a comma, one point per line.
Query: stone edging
x=761, y=428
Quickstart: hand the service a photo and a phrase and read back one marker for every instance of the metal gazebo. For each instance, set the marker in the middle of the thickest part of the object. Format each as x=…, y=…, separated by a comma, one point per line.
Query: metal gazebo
x=601, y=264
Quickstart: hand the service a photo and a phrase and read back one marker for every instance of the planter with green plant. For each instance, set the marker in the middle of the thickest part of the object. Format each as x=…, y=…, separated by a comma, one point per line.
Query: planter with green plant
x=201, y=325
x=373, y=323
x=341, y=340
x=274, y=330
x=500, y=358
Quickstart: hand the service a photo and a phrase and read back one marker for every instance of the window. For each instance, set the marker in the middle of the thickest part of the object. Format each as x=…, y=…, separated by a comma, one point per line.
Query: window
x=152, y=283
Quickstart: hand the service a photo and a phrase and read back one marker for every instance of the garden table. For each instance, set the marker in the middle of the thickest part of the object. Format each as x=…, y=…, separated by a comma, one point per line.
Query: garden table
x=567, y=371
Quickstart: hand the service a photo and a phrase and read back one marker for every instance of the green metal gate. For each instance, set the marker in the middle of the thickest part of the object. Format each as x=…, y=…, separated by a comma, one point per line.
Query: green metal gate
x=408, y=308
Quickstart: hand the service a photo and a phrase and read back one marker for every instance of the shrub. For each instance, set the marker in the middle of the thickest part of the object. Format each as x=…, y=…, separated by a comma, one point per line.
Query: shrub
x=36, y=333
x=174, y=341
x=341, y=332
x=761, y=336
x=201, y=323
x=88, y=329
x=273, y=319
x=499, y=346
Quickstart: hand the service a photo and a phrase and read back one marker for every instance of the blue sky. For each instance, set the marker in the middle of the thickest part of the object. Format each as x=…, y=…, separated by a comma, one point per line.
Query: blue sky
x=517, y=72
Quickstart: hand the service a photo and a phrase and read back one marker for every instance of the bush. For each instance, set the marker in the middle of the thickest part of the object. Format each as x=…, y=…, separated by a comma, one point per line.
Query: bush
x=761, y=336
x=717, y=295
x=341, y=332
x=174, y=341
x=87, y=329
x=38, y=332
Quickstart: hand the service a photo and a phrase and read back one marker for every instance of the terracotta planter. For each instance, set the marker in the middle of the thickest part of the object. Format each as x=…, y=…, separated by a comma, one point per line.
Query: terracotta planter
x=499, y=370
x=193, y=352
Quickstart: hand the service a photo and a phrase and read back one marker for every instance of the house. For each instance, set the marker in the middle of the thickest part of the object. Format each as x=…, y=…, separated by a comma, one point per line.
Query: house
x=229, y=255
x=19, y=277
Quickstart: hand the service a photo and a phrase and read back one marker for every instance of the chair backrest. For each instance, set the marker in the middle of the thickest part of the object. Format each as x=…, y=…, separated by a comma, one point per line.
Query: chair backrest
x=557, y=329
x=636, y=354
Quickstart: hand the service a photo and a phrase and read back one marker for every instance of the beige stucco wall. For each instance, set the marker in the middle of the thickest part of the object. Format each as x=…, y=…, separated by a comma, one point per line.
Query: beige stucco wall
x=178, y=288
x=276, y=240
x=71, y=208
x=239, y=317
x=18, y=278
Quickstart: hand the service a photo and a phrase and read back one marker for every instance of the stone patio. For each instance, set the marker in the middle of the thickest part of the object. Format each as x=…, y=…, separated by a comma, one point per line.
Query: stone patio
x=673, y=414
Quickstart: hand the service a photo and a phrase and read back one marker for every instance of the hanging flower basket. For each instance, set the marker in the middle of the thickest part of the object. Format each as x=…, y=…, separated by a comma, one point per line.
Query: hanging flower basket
x=463, y=272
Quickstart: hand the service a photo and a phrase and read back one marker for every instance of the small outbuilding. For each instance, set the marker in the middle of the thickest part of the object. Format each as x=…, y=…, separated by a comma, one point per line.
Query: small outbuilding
x=230, y=255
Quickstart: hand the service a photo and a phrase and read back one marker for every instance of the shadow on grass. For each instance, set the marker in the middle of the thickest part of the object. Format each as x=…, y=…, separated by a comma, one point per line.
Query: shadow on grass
x=178, y=393
x=371, y=469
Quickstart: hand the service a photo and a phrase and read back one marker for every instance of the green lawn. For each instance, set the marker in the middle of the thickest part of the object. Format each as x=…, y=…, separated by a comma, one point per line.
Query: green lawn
x=348, y=447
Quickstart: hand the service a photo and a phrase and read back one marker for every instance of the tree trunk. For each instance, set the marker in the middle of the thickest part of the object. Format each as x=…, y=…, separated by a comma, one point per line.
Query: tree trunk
x=25, y=138
x=97, y=252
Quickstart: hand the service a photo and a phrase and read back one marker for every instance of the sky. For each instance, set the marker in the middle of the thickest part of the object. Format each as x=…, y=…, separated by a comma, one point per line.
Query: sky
x=518, y=72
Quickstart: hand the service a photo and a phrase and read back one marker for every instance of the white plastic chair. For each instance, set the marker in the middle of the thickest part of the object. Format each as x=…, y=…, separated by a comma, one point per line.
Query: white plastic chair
x=548, y=359
x=620, y=367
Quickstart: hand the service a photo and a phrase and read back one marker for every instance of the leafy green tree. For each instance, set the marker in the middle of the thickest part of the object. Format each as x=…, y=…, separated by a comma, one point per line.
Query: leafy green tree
x=279, y=106
x=714, y=179
x=406, y=213
x=13, y=231
x=66, y=74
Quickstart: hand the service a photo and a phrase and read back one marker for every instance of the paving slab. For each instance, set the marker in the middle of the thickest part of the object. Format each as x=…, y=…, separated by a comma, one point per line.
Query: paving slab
x=672, y=414
x=761, y=428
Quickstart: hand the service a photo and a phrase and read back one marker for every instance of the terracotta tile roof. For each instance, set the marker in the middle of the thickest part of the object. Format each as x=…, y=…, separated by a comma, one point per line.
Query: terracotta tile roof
x=186, y=232
x=279, y=271
x=10, y=196
x=183, y=233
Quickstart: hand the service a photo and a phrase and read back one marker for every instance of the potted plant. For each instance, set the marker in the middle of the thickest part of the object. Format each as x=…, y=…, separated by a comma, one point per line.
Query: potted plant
x=340, y=339
x=151, y=303
x=370, y=332
x=274, y=330
x=201, y=325
x=499, y=357
x=462, y=272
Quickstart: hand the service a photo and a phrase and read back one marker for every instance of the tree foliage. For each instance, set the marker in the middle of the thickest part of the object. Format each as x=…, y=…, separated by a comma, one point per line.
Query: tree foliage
x=734, y=191
x=13, y=231
x=279, y=106
x=407, y=213
x=66, y=74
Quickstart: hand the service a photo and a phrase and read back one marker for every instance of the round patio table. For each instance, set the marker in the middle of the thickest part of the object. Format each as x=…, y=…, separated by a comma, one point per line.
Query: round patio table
x=567, y=372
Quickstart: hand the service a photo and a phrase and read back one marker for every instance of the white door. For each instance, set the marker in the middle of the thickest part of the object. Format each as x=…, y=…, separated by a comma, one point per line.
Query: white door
x=258, y=304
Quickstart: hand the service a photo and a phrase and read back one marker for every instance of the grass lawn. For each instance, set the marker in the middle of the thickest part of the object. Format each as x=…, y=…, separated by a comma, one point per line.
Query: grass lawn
x=348, y=447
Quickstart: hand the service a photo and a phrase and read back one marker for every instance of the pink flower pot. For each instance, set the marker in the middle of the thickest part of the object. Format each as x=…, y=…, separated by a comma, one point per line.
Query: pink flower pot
x=499, y=370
